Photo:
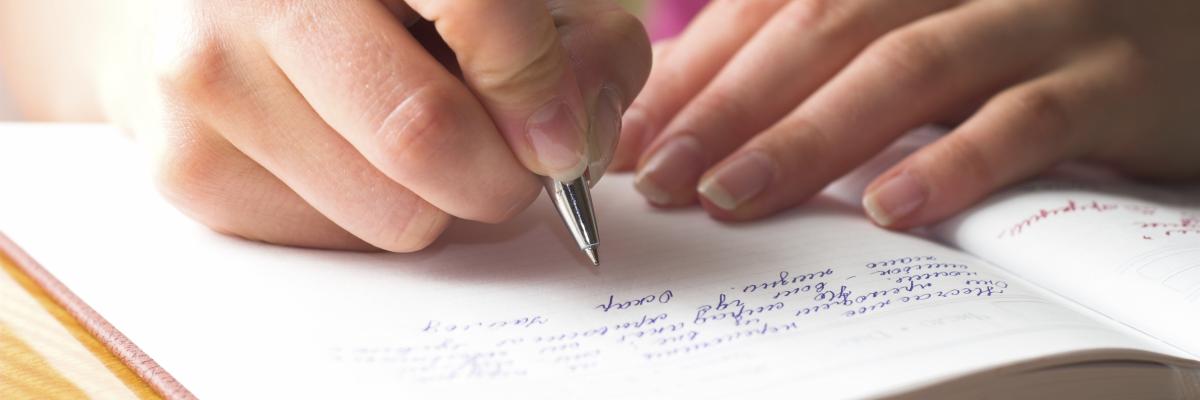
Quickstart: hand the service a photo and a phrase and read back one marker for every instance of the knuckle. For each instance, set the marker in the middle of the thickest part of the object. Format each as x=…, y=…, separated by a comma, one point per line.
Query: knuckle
x=191, y=175
x=197, y=72
x=915, y=58
x=742, y=10
x=417, y=130
x=1048, y=112
x=1131, y=60
x=721, y=104
x=809, y=14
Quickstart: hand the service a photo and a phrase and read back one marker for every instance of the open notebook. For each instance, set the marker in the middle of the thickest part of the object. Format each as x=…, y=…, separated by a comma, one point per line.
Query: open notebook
x=1089, y=288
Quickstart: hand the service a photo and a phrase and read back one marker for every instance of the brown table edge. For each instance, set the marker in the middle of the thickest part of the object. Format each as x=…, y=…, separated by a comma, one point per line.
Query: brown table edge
x=141, y=364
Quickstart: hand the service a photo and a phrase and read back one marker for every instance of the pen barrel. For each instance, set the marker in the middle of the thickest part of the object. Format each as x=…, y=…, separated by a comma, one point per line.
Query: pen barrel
x=573, y=201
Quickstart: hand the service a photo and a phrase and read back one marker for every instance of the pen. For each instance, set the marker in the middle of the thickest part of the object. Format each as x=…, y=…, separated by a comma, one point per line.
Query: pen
x=573, y=200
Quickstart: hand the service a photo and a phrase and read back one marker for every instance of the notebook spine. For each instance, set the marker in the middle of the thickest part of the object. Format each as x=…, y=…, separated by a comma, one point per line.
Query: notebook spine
x=141, y=364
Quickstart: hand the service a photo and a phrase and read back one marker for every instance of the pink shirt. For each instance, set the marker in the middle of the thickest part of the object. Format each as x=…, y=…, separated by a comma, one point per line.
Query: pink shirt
x=666, y=18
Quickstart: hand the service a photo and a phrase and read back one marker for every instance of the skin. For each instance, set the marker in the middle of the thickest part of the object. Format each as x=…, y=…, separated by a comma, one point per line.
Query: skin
x=347, y=124
x=760, y=104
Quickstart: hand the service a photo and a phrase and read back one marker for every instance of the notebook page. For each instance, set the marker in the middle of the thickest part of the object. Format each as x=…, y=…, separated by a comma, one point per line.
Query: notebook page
x=816, y=302
x=1129, y=251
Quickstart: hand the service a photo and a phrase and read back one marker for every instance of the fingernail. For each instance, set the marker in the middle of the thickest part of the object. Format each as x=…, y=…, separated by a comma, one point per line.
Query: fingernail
x=896, y=198
x=676, y=165
x=606, y=127
x=557, y=140
x=738, y=180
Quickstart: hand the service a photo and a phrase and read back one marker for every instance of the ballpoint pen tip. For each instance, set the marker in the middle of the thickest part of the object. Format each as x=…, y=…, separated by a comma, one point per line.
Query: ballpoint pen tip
x=593, y=255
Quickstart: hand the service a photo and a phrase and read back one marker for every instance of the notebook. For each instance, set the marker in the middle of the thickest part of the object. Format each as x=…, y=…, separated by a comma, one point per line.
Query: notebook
x=1075, y=285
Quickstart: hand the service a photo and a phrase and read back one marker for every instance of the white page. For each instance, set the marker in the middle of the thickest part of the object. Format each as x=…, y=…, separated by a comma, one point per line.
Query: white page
x=1131, y=252
x=233, y=319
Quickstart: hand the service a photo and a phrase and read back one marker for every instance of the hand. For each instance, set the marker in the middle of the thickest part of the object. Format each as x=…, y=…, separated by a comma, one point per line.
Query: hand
x=760, y=104
x=351, y=124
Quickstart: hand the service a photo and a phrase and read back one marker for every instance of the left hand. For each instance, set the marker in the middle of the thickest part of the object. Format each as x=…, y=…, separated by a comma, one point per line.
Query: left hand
x=760, y=104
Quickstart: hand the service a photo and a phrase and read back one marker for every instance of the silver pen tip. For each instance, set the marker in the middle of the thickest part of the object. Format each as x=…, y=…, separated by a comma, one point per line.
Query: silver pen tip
x=593, y=255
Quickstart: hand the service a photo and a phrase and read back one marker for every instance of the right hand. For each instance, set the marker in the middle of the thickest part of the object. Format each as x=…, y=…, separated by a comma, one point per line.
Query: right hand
x=351, y=124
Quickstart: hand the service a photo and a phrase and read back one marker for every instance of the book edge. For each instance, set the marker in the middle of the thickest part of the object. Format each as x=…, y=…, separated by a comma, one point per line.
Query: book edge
x=113, y=340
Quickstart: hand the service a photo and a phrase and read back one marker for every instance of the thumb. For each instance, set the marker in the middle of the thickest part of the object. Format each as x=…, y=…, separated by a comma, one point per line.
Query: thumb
x=511, y=57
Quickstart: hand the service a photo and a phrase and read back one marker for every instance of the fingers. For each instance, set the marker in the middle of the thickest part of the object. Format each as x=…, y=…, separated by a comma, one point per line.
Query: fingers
x=697, y=55
x=899, y=82
x=511, y=57
x=212, y=182
x=801, y=47
x=415, y=122
x=1020, y=132
x=270, y=122
x=610, y=56
x=629, y=146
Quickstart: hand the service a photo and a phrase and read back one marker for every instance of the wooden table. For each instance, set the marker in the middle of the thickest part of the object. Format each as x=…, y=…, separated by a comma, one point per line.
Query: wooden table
x=45, y=353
